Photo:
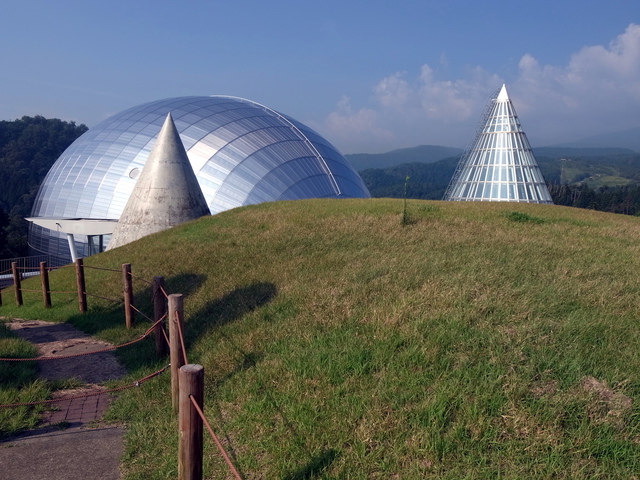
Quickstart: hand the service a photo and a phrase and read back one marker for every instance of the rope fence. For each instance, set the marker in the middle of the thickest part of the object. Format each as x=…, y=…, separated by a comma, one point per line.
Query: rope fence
x=114, y=300
x=102, y=268
x=141, y=313
x=143, y=280
x=179, y=322
x=164, y=292
x=18, y=271
x=73, y=355
x=215, y=438
x=88, y=394
x=168, y=308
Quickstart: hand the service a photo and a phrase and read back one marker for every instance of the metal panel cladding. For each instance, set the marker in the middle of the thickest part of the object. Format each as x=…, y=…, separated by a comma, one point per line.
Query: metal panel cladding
x=242, y=153
x=500, y=165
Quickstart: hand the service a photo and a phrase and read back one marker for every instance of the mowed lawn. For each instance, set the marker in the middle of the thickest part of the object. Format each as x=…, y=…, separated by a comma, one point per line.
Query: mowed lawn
x=478, y=340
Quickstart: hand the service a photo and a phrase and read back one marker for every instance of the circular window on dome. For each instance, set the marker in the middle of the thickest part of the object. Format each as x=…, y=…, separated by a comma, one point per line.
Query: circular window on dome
x=134, y=173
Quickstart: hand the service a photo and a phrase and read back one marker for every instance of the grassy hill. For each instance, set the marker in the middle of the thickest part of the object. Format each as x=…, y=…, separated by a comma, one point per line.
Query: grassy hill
x=481, y=340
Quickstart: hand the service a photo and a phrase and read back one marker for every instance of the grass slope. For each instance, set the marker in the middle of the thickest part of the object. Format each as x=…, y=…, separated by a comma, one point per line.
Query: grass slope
x=482, y=340
x=18, y=384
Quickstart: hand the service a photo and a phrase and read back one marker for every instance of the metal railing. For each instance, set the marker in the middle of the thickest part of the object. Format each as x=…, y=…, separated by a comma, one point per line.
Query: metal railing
x=25, y=264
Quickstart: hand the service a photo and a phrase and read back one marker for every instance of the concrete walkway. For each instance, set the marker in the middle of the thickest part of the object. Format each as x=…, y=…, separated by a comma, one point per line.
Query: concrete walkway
x=76, y=453
x=72, y=442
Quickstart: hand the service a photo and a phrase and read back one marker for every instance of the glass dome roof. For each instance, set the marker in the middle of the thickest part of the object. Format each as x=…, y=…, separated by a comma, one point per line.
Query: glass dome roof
x=241, y=152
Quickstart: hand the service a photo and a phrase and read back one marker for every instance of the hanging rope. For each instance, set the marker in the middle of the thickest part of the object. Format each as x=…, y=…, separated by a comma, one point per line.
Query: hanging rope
x=103, y=269
x=89, y=394
x=143, y=280
x=215, y=439
x=107, y=349
x=184, y=349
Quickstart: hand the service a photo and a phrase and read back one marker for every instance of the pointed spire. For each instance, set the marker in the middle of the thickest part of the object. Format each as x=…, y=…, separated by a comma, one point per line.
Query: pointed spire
x=503, y=96
x=500, y=165
x=166, y=194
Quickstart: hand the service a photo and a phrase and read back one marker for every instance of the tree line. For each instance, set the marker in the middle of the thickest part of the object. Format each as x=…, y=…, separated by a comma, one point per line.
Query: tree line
x=619, y=199
x=29, y=147
x=429, y=182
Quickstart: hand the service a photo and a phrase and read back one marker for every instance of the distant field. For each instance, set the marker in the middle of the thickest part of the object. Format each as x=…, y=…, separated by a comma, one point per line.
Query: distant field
x=598, y=181
x=480, y=340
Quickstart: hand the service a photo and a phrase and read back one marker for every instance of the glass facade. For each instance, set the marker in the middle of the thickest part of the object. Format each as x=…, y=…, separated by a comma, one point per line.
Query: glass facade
x=500, y=165
x=241, y=152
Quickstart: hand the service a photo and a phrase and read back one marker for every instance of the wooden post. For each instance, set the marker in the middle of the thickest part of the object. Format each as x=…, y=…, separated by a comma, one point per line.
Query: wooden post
x=159, y=310
x=175, y=346
x=82, y=288
x=46, y=291
x=127, y=280
x=190, y=423
x=16, y=283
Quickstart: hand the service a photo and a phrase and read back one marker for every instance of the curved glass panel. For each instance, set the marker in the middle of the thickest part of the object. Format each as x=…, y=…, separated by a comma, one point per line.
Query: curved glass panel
x=241, y=152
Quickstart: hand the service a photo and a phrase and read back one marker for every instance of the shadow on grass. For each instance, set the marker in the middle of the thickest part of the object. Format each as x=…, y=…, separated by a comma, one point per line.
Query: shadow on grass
x=232, y=306
x=315, y=467
x=99, y=318
x=227, y=309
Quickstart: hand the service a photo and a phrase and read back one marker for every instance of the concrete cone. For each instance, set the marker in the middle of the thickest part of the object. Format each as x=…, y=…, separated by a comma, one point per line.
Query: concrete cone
x=167, y=192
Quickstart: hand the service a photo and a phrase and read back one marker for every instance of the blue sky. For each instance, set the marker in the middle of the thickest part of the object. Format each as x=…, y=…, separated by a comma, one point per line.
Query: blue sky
x=370, y=76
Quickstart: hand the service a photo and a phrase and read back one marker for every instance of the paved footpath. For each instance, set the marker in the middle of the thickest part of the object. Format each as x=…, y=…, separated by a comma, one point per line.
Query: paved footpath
x=72, y=442
x=76, y=453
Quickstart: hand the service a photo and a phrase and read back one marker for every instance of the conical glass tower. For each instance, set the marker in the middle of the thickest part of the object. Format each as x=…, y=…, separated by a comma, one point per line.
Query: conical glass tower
x=500, y=165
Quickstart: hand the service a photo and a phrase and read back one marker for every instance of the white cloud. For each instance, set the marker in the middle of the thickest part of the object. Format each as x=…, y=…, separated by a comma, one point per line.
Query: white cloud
x=393, y=92
x=597, y=91
x=348, y=127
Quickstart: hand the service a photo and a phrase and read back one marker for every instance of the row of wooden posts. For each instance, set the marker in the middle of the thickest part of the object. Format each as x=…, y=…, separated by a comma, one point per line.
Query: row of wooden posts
x=127, y=290
x=127, y=279
x=187, y=380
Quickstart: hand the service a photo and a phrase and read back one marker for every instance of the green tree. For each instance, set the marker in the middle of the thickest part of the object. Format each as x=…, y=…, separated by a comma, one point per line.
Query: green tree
x=28, y=148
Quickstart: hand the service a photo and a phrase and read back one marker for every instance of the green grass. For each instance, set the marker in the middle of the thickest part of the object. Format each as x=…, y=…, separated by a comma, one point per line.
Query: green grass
x=475, y=342
x=18, y=384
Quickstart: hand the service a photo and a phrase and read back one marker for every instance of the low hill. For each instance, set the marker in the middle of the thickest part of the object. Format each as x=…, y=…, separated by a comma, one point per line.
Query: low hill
x=421, y=154
x=480, y=340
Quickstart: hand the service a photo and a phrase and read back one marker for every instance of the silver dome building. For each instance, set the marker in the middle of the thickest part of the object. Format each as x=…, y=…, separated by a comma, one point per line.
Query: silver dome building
x=241, y=152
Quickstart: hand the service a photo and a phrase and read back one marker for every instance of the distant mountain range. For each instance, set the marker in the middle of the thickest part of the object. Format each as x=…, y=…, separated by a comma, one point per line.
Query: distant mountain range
x=626, y=143
x=430, y=168
x=420, y=154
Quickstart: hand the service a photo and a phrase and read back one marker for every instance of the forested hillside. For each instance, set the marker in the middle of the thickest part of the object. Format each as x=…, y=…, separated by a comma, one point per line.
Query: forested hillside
x=28, y=148
x=600, y=179
x=421, y=153
x=609, y=183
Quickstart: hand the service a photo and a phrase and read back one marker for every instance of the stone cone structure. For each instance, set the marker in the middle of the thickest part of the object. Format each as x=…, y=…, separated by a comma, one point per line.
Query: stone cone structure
x=500, y=165
x=167, y=192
